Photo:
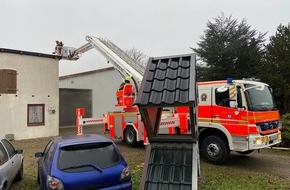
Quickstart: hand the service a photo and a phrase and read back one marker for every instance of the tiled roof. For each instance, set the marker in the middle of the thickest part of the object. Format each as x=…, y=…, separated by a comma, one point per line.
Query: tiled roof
x=168, y=81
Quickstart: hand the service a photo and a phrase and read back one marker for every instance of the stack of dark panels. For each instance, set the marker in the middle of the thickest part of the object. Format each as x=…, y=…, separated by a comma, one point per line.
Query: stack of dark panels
x=171, y=160
x=169, y=167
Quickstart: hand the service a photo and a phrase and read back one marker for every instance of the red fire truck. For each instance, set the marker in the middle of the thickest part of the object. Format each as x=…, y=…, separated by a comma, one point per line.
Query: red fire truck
x=233, y=115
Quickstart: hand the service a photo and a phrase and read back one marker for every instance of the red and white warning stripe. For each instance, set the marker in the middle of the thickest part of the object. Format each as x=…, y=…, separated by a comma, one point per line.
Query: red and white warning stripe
x=169, y=122
x=92, y=121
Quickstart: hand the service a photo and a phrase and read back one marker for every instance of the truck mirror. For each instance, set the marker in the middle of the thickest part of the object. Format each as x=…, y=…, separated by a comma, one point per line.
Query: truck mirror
x=222, y=89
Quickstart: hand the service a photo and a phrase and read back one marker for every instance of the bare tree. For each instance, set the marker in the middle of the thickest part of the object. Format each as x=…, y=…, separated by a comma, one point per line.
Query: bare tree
x=138, y=56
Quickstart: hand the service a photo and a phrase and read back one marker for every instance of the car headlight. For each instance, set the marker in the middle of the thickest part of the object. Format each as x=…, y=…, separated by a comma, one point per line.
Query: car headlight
x=54, y=183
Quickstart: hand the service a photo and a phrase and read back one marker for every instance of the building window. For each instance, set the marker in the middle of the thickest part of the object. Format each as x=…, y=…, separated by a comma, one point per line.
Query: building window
x=35, y=114
x=8, y=81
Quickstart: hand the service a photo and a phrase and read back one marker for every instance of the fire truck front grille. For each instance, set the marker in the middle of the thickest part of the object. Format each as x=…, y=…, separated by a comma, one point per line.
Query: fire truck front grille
x=268, y=125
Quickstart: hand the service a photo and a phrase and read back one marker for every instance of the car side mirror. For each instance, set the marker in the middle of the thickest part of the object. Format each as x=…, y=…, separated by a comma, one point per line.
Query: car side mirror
x=38, y=154
x=19, y=151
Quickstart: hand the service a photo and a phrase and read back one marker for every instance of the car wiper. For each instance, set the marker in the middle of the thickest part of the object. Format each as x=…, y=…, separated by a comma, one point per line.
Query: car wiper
x=264, y=107
x=261, y=108
x=82, y=166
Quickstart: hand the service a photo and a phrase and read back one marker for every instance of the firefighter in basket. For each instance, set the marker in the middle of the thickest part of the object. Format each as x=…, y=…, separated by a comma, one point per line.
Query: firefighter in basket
x=122, y=85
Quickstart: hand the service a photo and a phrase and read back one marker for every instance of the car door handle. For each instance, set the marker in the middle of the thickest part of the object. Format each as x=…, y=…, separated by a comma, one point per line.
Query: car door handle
x=216, y=116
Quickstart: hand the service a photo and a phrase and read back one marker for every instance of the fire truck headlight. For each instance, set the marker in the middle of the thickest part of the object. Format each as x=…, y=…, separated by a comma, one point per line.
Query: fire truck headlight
x=258, y=141
x=279, y=136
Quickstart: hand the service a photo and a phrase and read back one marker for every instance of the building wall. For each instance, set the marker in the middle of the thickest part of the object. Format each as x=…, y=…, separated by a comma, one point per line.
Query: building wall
x=37, y=83
x=103, y=83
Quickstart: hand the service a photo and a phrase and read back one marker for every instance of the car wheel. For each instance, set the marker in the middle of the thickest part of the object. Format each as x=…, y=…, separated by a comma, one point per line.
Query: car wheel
x=215, y=149
x=130, y=136
x=245, y=152
x=19, y=175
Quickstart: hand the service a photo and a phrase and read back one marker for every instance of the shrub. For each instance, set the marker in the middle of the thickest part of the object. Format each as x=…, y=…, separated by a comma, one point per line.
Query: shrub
x=285, y=130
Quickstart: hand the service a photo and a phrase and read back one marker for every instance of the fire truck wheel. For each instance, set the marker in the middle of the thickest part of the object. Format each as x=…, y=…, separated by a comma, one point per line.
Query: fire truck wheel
x=215, y=149
x=130, y=136
x=245, y=152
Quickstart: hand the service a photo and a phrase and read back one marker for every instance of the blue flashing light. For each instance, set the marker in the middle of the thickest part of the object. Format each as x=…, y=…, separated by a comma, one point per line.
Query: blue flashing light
x=229, y=80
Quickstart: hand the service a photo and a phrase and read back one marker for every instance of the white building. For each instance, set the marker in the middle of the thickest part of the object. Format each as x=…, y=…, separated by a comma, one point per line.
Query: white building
x=29, y=94
x=95, y=91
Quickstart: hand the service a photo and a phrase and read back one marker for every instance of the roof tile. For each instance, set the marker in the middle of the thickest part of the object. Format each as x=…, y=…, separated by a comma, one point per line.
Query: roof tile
x=170, y=84
x=162, y=64
x=160, y=74
x=183, y=72
x=168, y=97
x=174, y=63
x=155, y=97
x=171, y=73
x=158, y=85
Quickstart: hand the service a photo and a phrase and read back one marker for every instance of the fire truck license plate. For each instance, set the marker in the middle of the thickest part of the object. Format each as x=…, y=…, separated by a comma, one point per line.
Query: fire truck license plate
x=272, y=137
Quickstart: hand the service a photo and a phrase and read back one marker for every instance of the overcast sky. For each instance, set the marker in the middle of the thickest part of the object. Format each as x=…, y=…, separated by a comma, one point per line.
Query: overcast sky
x=156, y=27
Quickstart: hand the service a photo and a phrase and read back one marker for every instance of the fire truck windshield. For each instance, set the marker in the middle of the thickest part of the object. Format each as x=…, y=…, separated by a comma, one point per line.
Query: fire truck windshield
x=259, y=98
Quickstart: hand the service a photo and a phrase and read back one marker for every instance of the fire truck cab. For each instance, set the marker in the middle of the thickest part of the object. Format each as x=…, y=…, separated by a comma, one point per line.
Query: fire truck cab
x=236, y=115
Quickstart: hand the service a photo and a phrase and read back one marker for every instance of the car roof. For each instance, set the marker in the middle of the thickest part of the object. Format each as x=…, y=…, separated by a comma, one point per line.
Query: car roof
x=78, y=139
x=4, y=139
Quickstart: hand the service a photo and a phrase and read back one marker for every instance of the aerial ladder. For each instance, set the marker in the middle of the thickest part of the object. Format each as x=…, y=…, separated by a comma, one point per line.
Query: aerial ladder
x=124, y=64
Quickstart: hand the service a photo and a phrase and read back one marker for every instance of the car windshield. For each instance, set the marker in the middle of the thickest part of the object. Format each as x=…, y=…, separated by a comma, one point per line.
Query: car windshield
x=87, y=157
x=259, y=98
